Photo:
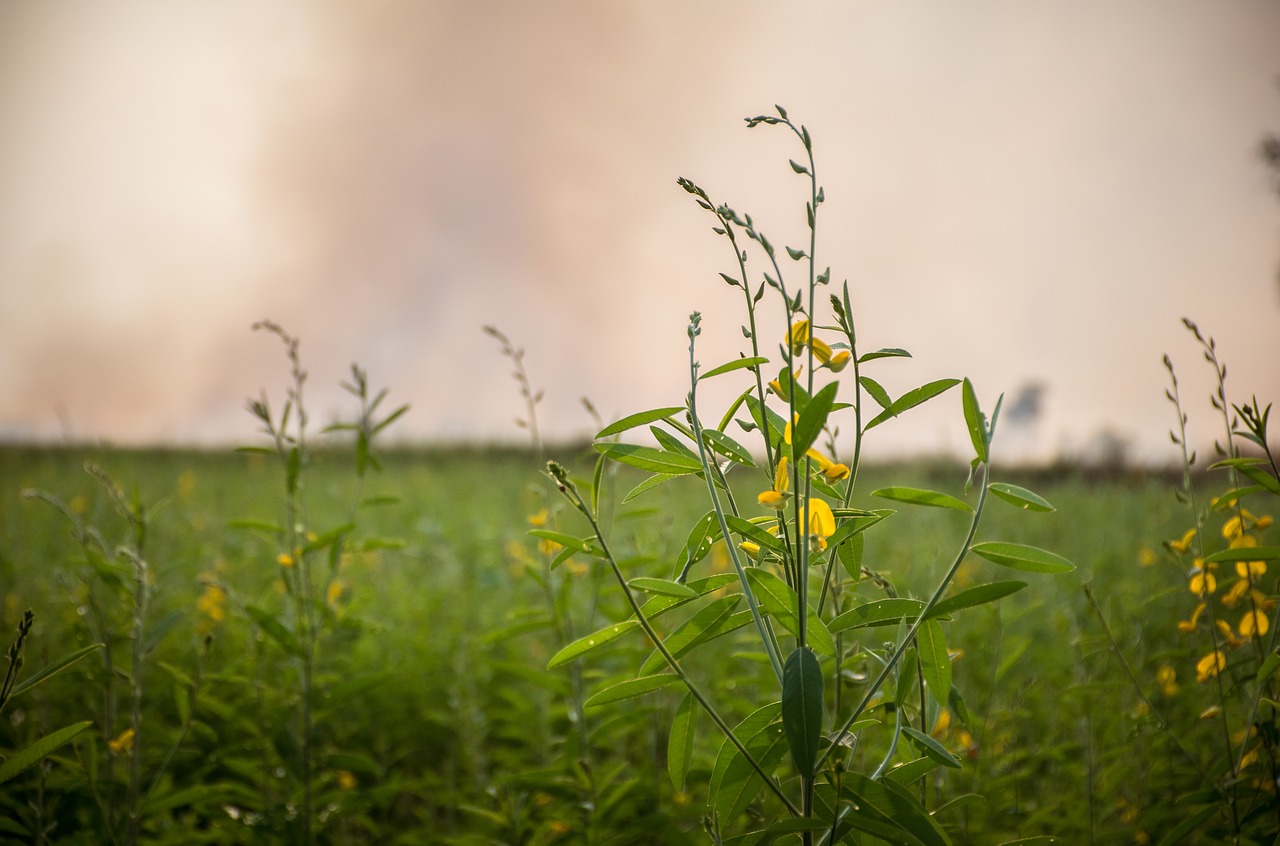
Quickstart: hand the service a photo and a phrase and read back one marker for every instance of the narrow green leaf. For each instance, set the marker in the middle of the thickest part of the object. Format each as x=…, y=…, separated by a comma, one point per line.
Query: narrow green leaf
x=879, y=394
x=653, y=460
x=935, y=663
x=693, y=632
x=973, y=421
x=812, y=419
x=1245, y=553
x=912, y=398
x=567, y=541
x=52, y=669
x=752, y=532
x=638, y=419
x=802, y=708
x=698, y=544
x=631, y=689
x=663, y=586
x=885, y=352
x=648, y=485
x=1022, y=557
x=894, y=803
x=1268, y=667
x=778, y=600
x=739, y=364
x=738, y=782
x=680, y=741
x=906, y=774
x=728, y=447
x=920, y=496
x=881, y=612
x=587, y=643
x=16, y=762
x=1038, y=840
x=974, y=596
x=275, y=629
x=1021, y=497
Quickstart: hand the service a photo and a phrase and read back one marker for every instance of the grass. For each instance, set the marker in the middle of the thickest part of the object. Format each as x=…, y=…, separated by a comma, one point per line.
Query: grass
x=449, y=729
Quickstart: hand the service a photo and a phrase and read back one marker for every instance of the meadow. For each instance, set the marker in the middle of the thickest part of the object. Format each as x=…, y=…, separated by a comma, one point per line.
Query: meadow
x=664, y=636
x=438, y=720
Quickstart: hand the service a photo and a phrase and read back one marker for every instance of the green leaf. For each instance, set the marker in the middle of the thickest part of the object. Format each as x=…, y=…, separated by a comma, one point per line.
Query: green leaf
x=1245, y=553
x=1038, y=840
x=698, y=629
x=778, y=599
x=680, y=741
x=935, y=663
x=740, y=364
x=1021, y=497
x=631, y=689
x=698, y=544
x=879, y=394
x=638, y=419
x=852, y=523
x=569, y=542
x=1022, y=557
x=980, y=595
x=275, y=629
x=894, y=804
x=752, y=532
x=653, y=460
x=812, y=419
x=595, y=640
x=885, y=352
x=802, y=708
x=1268, y=667
x=912, y=398
x=728, y=447
x=648, y=485
x=973, y=421
x=45, y=746
x=906, y=774
x=1188, y=825
x=663, y=586
x=734, y=781
x=881, y=612
x=920, y=496
x=53, y=669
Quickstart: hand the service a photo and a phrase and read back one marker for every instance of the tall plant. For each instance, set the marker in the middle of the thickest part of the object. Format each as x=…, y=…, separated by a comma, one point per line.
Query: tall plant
x=842, y=735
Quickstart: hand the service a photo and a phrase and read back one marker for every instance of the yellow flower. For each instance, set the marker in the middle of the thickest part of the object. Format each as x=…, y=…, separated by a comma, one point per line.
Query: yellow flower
x=1210, y=665
x=776, y=497
x=822, y=523
x=943, y=723
x=1251, y=569
x=1238, y=590
x=1254, y=623
x=79, y=504
x=334, y=592
x=772, y=499
x=1229, y=636
x=539, y=520
x=1263, y=521
x=1184, y=543
x=1167, y=678
x=838, y=361
x=821, y=349
x=122, y=743
x=346, y=780
x=798, y=336
x=831, y=471
x=212, y=603
x=1203, y=583
x=1190, y=625
x=1146, y=557
x=776, y=384
x=750, y=548
x=1243, y=542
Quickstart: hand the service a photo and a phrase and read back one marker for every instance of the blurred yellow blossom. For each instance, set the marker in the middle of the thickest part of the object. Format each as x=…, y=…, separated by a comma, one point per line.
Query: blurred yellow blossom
x=212, y=603
x=539, y=519
x=1255, y=623
x=1167, y=678
x=1146, y=557
x=1210, y=665
x=284, y=559
x=122, y=742
x=1203, y=583
x=334, y=592
x=346, y=780
x=1190, y=625
x=1183, y=543
x=1251, y=569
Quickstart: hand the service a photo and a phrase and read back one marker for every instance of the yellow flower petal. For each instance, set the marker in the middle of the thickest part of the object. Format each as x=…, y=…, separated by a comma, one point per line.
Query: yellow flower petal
x=798, y=336
x=1210, y=665
x=838, y=361
x=1184, y=543
x=772, y=499
x=822, y=522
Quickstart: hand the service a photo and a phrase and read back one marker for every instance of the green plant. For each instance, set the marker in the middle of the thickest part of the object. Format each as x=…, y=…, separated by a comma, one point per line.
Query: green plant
x=839, y=739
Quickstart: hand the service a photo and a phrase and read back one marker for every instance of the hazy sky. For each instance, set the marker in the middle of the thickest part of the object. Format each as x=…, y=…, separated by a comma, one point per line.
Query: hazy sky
x=1017, y=192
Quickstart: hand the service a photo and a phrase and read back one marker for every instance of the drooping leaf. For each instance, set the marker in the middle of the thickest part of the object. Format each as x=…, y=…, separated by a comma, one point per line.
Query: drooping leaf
x=921, y=496
x=1021, y=497
x=638, y=419
x=680, y=741
x=663, y=586
x=935, y=663
x=52, y=669
x=647, y=485
x=1022, y=557
x=802, y=708
x=879, y=394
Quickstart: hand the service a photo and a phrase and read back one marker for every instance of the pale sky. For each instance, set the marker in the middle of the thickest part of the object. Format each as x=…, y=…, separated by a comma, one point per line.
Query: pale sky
x=1017, y=192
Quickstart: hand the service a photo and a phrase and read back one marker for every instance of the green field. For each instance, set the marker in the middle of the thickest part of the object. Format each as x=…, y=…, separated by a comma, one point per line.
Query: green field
x=436, y=718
